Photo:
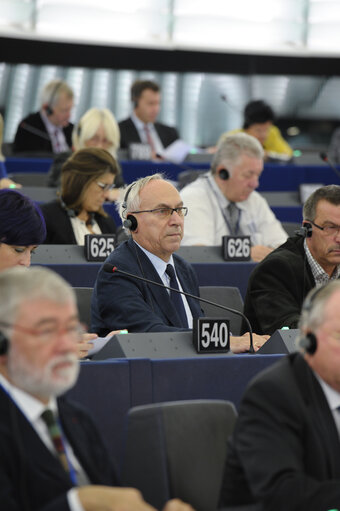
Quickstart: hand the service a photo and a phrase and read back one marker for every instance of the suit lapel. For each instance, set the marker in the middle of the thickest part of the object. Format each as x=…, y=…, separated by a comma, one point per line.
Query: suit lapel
x=320, y=414
x=160, y=295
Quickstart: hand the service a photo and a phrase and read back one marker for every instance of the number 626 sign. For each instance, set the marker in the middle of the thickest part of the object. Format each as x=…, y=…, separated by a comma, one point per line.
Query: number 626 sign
x=236, y=248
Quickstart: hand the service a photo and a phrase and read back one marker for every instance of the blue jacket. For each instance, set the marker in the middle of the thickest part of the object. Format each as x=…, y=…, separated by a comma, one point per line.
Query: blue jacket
x=119, y=301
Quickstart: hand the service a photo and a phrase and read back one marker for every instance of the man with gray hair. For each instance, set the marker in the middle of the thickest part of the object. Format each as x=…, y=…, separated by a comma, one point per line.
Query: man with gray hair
x=52, y=456
x=279, y=284
x=224, y=201
x=285, y=450
x=48, y=130
x=153, y=211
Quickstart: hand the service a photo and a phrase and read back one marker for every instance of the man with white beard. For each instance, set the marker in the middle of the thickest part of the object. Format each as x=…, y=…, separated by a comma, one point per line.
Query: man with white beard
x=51, y=455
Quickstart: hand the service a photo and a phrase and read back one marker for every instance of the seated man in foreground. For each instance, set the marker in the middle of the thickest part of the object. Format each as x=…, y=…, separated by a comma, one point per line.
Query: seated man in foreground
x=224, y=202
x=285, y=451
x=153, y=211
x=279, y=284
x=52, y=456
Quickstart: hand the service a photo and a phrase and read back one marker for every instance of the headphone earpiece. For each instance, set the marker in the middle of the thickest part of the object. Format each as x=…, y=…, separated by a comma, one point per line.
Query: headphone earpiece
x=79, y=129
x=306, y=230
x=4, y=344
x=309, y=343
x=48, y=110
x=223, y=174
x=130, y=223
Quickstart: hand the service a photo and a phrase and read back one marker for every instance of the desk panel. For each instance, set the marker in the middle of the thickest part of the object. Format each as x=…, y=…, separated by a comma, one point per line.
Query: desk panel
x=108, y=389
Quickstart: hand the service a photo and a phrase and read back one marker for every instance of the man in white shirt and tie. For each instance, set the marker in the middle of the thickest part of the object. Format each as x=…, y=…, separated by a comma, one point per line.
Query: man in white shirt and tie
x=224, y=201
x=142, y=127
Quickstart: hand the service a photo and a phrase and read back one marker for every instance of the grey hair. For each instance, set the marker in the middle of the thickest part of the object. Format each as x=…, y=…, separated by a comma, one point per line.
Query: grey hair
x=19, y=284
x=312, y=314
x=231, y=147
x=51, y=92
x=133, y=194
x=330, y=193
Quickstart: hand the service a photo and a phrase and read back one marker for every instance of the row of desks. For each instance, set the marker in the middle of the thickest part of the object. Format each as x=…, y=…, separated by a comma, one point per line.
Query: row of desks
x=275, y=177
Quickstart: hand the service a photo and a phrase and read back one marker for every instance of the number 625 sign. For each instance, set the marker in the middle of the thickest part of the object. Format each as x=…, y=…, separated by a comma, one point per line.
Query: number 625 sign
x=98, y=246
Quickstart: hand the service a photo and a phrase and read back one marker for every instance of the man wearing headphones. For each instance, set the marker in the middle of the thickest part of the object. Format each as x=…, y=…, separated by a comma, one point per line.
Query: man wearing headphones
x=52, y=456
x=285, y=450
x=142, y=127
x=48, y=130
x=224, y=201
x=153, y=211
x=279, y=284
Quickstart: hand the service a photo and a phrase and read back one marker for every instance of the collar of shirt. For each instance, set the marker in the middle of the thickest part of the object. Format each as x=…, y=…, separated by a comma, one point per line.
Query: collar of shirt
x=332, y=396
x=51, y=128
x=31, y=407
x=319, y=274
x=159, y=264
x=223, y=201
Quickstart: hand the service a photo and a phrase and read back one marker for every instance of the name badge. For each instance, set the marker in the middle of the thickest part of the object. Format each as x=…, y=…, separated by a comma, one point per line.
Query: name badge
x=211, y=335
x=139, y=152
x=98, y=246
x=236, y=248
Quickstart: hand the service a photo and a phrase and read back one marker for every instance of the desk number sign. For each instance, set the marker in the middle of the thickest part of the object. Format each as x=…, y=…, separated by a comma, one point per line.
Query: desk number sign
x=236, y=248
x=211, y=335
x=98, y=246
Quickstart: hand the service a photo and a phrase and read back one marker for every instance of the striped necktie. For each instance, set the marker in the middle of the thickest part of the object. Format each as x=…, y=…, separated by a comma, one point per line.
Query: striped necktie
x=234, y=216
x=56, y=437
x=176, y=298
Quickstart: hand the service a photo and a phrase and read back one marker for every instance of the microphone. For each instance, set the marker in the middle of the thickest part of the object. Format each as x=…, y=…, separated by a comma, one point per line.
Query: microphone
x=35, y=131
x=110, y=268
x=324, y=158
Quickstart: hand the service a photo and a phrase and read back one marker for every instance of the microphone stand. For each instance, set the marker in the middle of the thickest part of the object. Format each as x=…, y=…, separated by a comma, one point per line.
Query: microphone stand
x=109, y=268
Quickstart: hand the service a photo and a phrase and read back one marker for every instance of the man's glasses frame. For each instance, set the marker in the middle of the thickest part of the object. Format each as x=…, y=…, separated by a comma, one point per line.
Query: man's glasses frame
x=164, y=212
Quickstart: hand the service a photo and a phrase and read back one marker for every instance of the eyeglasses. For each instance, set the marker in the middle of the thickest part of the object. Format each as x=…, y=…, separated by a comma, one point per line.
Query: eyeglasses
x=50, y=334
x=329, y=230
x=105, y=187
x=164, y=212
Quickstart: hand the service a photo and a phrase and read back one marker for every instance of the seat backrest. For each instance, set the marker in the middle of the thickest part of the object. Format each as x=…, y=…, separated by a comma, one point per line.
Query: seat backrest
x=30, y=178
x=84, y=295
x=188, y=176
x=178, y=450
x=223, y=295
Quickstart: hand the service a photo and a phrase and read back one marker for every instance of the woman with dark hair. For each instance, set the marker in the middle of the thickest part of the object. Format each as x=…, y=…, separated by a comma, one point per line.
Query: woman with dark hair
x=259, y=122
x=22, y=229
x=86, y=180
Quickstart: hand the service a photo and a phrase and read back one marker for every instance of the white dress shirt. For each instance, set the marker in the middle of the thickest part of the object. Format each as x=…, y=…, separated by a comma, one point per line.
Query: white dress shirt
x=205, y=222
x=140, y=127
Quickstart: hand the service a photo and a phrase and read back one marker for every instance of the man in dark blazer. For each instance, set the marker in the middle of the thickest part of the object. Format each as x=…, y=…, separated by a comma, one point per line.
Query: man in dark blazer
x=153, y=211
x=285, y=450
x=279, y=283
x=142, y=127
x=40, y=330
x=48, y=130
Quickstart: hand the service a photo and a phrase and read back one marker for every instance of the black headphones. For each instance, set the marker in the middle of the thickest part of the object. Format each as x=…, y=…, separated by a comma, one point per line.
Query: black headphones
x=306, y=230
x=49, y=109
x=130, y=221
x=309, y=341
x=224, y=174
x=4, y=344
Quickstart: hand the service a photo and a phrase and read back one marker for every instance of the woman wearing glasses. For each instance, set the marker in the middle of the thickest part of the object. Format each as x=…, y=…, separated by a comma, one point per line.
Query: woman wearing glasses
x=86, y=180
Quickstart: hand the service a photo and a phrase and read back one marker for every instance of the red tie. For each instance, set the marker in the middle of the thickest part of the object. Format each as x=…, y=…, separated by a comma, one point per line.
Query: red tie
x=149, y=138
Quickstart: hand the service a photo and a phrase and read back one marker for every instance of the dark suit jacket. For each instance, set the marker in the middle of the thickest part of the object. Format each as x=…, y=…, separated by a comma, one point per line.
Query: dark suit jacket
x=285, y=450
x=119, y=301
x=59, y=227
x=26, y=140
x=277, y=287
x=129, y=134
x=30, y=473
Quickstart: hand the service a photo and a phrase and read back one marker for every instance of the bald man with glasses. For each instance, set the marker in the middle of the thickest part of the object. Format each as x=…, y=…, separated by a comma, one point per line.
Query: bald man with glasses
x=153, y=211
